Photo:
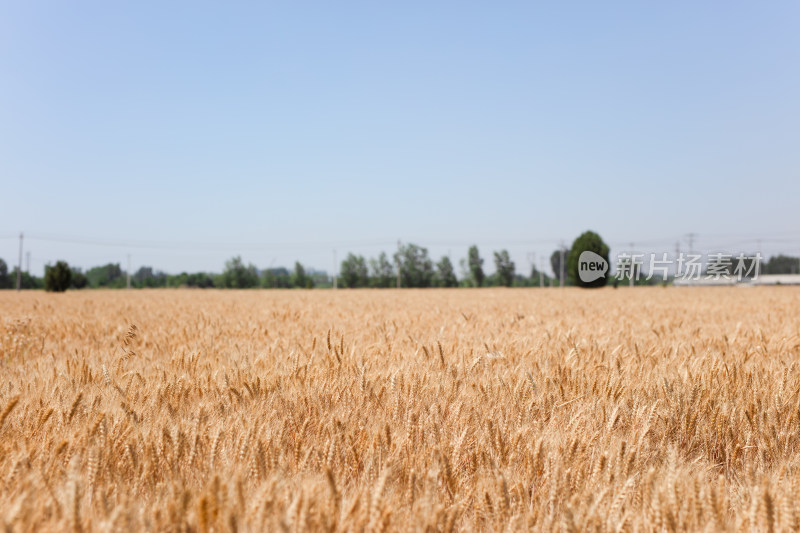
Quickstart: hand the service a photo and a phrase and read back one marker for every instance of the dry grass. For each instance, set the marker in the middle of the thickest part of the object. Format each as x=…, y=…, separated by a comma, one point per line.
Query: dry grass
x=638, y=410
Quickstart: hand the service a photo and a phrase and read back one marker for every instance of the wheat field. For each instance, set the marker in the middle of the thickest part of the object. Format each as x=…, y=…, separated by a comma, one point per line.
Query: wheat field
x=652, y=409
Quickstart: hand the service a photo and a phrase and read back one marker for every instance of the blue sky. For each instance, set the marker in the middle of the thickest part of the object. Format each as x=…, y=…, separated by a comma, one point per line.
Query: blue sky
x=185, y=132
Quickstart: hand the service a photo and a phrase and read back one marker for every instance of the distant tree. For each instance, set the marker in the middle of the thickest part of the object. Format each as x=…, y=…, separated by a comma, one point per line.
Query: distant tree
x=277, y=278
x=78, y=279
x=538, y=279
x=592, y=242
x=57, y=278
x=200, y=280
x=144, y=273
x=145, y=276
x=782, y=264
x=5, y=280
x=354, y=272
x=176, y=280
x=520, y=280
x=299, y=277
x=382, y=270
x=555, y=264
x=466, y=277
x=416, y=268
x=109, y=275
x=504, y=267
x=475, y=266
x=445, y=274
x=27, y=281
x=239, y=276
x=321, y=279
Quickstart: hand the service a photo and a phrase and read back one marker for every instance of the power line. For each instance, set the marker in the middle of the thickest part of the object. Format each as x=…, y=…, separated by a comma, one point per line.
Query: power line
x=207, y=245
x=225, y=246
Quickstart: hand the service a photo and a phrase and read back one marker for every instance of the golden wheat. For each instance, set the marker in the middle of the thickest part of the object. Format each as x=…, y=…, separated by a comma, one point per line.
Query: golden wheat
x=441, y=410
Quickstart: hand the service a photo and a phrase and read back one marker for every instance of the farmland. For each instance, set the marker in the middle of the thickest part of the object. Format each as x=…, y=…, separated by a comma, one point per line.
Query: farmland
x=442, y=410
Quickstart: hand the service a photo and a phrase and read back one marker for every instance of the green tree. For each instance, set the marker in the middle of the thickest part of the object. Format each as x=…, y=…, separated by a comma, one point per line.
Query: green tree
x=354, y=272
x=277, y=278
x=475, y=266
x=382, y=270
x=109, y=275
x=416, y=268
x=239, y=276
x=504, y=268
x=145, y=276
x=26, y=280
x=321, y=279
x=591, y=242
x=445, y=274
x=555, y=264
x=78, y=279
x=781, y=264
x=538, y=279
x=200, y=280
x=5, y=280
x=58, y=277
x=299, y=277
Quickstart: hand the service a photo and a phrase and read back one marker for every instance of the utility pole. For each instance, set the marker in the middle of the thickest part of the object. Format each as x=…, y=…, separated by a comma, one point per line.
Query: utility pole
x=334, y=271
x=677, y=258
x=19, y=267
x=129, y=272
x=691, y=237
x=398, y=263
x=561, y=274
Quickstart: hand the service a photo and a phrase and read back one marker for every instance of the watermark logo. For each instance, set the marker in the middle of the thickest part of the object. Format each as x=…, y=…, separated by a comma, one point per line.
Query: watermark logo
x=591, y=266
x=716, y=267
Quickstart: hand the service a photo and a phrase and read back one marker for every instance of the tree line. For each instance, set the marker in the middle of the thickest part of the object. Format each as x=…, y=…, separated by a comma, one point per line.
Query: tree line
x=417, y=270
x=413, y=263
x=412, y=267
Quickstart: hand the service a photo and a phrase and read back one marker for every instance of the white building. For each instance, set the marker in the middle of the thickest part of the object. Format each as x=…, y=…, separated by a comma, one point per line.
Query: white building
x=777, y=279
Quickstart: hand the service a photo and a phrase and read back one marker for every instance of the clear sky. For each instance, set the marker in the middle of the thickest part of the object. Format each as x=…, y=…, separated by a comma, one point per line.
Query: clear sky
x=183, y=133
